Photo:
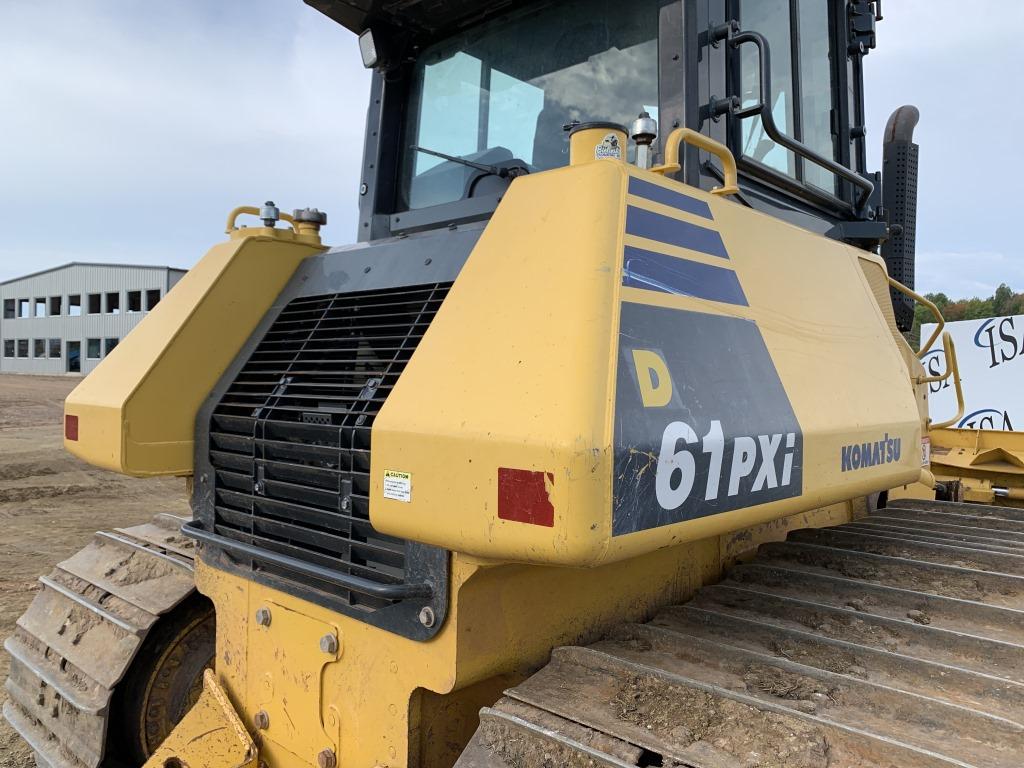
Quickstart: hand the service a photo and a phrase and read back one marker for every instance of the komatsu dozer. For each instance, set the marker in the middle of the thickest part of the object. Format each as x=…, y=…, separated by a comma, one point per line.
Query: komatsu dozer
x=623, y=319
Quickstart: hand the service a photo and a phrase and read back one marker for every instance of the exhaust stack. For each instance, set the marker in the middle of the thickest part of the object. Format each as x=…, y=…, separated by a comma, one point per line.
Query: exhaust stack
x=899, y=196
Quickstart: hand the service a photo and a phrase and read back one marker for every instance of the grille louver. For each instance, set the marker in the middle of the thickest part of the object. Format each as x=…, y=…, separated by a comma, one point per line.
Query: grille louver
x=290, y=438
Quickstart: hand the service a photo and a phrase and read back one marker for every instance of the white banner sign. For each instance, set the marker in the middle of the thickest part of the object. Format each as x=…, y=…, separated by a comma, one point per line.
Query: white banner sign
x=990, y=354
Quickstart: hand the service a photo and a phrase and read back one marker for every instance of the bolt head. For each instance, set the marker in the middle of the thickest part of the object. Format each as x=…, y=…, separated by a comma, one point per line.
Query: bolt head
x=329, y=643
x=261, y=720
x=326, y=759
x=427, y=616
x=263, y=617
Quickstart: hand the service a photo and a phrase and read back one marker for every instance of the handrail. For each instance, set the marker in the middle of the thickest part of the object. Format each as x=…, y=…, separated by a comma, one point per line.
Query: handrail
x=939, y=319
x=730, y=183
x=347, y=581
x=736, y=39
x=952, y=367
x=252, y=210
x=947, y=342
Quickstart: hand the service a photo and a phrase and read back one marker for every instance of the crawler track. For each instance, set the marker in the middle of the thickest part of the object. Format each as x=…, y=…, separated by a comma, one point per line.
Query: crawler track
x=83, y=629
x=895, y=640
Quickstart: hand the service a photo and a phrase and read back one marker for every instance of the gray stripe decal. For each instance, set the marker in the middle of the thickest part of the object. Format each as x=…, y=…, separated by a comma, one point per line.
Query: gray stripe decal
x=681, y=277
x=683, y=234
x=677, y=200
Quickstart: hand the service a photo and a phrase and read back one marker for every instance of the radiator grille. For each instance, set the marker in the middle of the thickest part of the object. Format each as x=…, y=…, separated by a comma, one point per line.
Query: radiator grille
x=290, y=437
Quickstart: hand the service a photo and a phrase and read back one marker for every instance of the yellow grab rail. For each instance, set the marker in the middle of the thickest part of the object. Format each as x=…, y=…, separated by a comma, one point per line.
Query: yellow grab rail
x=954, y=369
x=947, y=347
x=254, y=211
x=939, y=319
x=671, y=165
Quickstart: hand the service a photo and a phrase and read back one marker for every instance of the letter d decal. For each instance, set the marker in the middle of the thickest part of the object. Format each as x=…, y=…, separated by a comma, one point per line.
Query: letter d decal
x=653, y=377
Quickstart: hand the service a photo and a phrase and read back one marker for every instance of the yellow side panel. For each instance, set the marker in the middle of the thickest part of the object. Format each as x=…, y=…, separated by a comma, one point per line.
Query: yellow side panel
x=524, y=384
x=136, y=411
x=514, y=372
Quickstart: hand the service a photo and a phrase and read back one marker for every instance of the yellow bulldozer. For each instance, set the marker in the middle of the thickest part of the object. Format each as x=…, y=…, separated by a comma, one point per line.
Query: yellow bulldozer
x=580, y=456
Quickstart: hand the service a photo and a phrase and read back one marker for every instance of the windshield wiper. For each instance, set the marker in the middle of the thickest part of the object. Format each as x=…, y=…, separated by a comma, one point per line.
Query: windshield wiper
x=501, y=173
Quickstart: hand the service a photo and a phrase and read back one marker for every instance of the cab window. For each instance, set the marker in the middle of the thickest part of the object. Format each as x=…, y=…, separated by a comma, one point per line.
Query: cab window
x=502, y=92
x=802, y=97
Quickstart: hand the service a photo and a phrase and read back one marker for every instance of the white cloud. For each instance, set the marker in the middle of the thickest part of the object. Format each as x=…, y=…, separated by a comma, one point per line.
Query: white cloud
x=958, y=68
x=963, y=275
x=129, y=130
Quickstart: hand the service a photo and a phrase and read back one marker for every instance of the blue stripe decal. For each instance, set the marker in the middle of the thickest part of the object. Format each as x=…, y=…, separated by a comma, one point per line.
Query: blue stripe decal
x=681, y=277
x=658, y=194
x=683, y=234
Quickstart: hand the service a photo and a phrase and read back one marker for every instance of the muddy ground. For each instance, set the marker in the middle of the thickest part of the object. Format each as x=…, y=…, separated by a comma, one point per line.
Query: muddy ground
x=50, y=503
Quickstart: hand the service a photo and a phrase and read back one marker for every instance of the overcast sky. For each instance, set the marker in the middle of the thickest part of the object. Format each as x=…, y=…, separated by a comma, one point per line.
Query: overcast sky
x=128, y=129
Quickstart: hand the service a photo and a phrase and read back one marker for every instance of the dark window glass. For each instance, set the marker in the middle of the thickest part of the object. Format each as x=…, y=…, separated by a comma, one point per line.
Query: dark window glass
x=22, y=347
x=503, y=91
x=94, y=303
x=92, y=349
x=74, y=361
x=8, y=347
x=810, y=120
x=114, y=303
x=40, y=307
x=816, y=90
x=39, y=348
x=134, y=301
x=152, y=298
x=108, y=346
x=771, y=19
x=54, y=347
x=9, y=312
x=55, y=302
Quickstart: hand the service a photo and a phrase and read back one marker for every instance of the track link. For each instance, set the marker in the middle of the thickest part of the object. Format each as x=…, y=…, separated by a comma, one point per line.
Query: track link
x=894, y=640
x=79, y=636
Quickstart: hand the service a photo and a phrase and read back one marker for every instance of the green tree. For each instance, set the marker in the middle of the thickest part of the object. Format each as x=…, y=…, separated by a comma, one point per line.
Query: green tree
x=1004, y=301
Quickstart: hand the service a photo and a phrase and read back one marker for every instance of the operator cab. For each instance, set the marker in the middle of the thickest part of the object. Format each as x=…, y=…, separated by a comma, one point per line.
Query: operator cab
x=467, y=96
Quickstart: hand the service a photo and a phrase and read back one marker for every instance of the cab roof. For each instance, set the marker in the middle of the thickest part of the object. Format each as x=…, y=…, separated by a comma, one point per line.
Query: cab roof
x=416, y=18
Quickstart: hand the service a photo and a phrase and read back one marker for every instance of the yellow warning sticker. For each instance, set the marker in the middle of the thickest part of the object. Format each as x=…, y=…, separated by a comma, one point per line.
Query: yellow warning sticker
x=397, y=485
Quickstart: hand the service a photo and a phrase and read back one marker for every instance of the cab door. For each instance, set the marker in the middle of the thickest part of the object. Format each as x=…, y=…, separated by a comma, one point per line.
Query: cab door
x=801, y=146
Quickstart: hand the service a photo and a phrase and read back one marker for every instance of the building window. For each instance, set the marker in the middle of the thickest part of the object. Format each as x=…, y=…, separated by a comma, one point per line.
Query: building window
x=55, y=303
x=40, y=307
x=9, y=313
x=134, y=301
x=24, y=310
x=92, y=349
x=113, y=303
x=39, y=348
x=22, y=347
x=75, y=305
x=152, y=298
x=8, y=347
x=94, y=303
x=108, y=346
x=54, y=347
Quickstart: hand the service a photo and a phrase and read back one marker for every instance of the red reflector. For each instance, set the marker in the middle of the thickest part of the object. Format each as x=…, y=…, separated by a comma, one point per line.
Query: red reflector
x=523, y=496
x=70, y=427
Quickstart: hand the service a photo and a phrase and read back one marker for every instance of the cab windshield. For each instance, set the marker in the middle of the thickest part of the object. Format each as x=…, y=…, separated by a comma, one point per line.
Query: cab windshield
x=499, y=94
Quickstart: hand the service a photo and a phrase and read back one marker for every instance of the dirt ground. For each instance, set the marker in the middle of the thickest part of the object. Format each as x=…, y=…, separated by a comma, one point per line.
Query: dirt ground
x=50, y=503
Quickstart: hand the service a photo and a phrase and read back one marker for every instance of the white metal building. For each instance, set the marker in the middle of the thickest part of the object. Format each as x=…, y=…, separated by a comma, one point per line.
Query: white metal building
x=67, y=319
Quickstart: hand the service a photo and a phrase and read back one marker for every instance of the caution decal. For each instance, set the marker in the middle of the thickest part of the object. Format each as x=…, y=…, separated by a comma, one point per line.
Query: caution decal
x=702, y=423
